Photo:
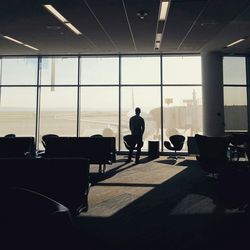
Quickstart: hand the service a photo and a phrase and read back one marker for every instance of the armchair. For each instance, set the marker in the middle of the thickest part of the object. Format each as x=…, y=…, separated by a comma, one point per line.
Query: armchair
x=212, y=153
x=175, y=143
x=131, y=144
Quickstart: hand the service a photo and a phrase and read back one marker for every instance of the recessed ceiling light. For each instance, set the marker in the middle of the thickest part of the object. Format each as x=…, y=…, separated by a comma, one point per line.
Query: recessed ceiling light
x=142, y=14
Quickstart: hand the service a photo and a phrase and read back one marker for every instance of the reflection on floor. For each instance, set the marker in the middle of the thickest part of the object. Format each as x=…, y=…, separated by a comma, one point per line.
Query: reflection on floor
x=158, y=204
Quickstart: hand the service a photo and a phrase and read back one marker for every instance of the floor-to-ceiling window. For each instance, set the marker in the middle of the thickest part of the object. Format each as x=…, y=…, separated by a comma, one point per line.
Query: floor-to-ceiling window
x=182, y=98
x=99, y=96
x=141, y=87
x=235, y=94
x=86, y=95
x=58, y=96
x=18, y=95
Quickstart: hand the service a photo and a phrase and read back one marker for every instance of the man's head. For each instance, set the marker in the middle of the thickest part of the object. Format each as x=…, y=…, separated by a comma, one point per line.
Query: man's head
x=137, y=111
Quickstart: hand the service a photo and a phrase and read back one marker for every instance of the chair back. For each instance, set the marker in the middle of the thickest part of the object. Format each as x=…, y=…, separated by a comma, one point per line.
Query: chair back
x=212, y=148
x=192, y=145
x=212, y=153
x=130, y=142
x=45, y=138
x=96, y=136
x=10, y=136
x=17, y=147
x=177, y=141
x=238, y=139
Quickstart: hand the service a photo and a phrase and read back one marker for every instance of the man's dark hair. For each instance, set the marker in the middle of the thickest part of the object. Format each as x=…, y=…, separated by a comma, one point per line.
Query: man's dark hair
x=137, y=111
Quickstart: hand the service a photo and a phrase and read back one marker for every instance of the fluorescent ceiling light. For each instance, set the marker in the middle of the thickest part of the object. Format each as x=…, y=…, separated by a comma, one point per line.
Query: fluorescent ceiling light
x=158, y=37
x=163, y=10
x=157, y=45
x=53, y=11
x=73, y=28
x=31, y=47
x=61, y=18
x=12, y=39
x=19, y=42
x=238, y=41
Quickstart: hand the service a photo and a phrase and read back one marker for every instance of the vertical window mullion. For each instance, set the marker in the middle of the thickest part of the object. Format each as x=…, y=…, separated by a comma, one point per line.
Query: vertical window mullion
x=1, y=69
x=119, y=104
x=38, y=99
x=248, y=90
x=78, y=109
x=161, y=89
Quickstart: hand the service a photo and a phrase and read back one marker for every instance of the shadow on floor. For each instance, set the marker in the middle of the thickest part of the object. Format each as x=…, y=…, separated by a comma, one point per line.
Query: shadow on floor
x=122, y=166
x=184, y=212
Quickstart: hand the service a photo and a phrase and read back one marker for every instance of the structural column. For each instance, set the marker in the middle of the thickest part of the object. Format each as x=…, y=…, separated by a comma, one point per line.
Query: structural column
x=212, y=91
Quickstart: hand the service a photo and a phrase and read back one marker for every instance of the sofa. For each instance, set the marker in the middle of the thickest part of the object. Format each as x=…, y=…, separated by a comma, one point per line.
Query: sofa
x=99, y=150
x=63, y=180
x=17, y=147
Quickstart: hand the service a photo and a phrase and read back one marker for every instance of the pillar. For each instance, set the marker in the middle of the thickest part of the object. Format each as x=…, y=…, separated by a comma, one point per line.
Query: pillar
x=212, y=94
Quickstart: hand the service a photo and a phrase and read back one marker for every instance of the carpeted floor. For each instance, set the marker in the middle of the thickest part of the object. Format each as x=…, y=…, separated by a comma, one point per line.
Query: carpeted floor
x=158, y=204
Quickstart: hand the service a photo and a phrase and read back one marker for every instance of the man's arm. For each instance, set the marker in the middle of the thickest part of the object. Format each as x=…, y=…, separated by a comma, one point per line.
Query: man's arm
x=143, y=126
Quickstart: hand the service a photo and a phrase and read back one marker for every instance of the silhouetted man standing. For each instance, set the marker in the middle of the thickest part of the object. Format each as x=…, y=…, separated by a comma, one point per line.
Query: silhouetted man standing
x=137, y=127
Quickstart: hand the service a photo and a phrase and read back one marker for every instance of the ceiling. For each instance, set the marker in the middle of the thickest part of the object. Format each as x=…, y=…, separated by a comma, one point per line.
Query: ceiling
x=113, y=26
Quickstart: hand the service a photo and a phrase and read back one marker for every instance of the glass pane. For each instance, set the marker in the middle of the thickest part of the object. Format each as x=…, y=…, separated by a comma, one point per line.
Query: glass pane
x=149, y=100
x=59, y=71
x=182, y=70
x=58, y=111
x=235, y=108
x=234, y=70
x=140, y=70
x=19, y=71
x=182, y=112
x=17, y=111
x=99, y=70
x=99, y=111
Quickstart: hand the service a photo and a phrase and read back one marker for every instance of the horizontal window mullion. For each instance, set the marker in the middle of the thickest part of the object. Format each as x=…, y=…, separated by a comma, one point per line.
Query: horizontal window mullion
x=18, y=86
x=181, y=85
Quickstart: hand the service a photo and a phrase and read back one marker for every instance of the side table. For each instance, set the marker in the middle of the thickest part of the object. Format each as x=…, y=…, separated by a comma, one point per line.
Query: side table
x=153, y=149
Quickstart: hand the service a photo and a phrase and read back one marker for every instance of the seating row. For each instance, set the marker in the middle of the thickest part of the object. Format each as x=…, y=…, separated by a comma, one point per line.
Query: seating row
x=99, y=150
